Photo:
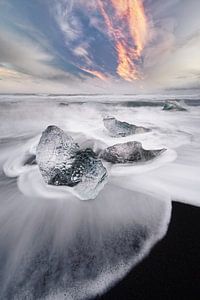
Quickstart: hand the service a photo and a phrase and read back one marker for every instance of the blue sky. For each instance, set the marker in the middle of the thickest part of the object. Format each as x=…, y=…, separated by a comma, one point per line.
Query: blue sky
x=51, y=46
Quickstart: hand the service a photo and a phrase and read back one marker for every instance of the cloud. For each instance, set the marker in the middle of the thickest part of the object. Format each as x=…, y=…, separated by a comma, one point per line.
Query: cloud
x=73, y=29
x=32, y=57
x=26, y=57
x=171, y=58
x=27, y=66
x=179, y=66
x=68, y=23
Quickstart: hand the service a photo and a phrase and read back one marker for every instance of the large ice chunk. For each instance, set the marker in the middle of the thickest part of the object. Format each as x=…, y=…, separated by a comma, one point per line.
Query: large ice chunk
x=63, y=163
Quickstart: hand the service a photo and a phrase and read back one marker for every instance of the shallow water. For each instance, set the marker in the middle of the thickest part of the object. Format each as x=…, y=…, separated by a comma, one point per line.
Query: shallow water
x=54, y=246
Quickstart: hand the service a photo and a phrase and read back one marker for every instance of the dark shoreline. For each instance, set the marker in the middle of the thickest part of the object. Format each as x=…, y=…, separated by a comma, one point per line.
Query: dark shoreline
x=172, y=269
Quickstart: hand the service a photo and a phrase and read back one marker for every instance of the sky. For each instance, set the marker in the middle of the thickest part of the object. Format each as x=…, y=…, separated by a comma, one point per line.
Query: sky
x=99, y=46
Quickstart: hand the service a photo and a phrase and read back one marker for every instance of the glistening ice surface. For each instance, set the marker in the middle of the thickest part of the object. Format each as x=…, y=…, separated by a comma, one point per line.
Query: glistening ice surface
x=55, y=246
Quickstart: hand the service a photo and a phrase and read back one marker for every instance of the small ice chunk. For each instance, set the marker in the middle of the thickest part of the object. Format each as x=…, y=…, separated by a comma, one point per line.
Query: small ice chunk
x=129, y=152
x=121, y=129
x=173, y=106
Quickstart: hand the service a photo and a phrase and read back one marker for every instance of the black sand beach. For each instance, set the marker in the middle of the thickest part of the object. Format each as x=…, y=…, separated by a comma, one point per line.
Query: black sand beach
x=171, y=271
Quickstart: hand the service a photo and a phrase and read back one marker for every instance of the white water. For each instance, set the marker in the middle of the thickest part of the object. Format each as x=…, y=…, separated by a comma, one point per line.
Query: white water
x=54, y=246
